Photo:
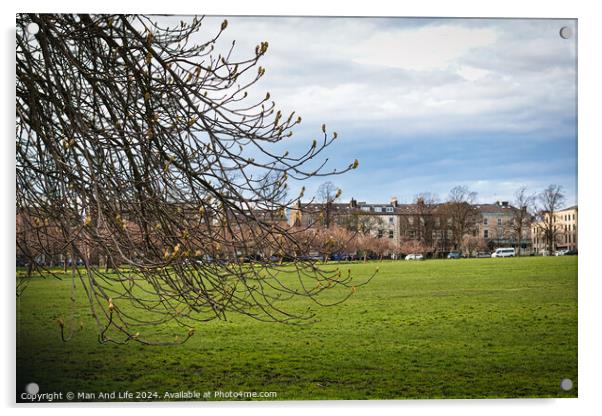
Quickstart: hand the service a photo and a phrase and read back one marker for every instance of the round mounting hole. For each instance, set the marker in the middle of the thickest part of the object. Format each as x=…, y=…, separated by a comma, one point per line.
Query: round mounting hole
x=566, y=32
x=566, y=384
x=32, y=388
x=32, y=28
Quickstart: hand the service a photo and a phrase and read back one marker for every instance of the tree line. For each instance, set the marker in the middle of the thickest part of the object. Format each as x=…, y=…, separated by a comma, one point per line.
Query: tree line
x=435, y=227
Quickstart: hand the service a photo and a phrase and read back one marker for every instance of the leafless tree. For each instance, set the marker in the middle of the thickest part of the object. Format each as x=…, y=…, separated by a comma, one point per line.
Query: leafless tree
x=367, y=245
x=383, y=247
x=334, y=240
x=425, y=221
x=139, y=143
x=502, y=232
x=470, y=244
x=270, y=187
x=550, y=200
x=413, y=246
x=522, y=216
x=362, y=223
x=461, y=213
x=327, y=194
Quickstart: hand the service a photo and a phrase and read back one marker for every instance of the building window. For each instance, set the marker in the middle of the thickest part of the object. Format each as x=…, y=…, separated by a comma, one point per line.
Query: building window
x=484, y=221
x=389, y=209
x=499, y=221
x=391, y=234
x=391, y=220
x=367, y=209
x=485, y=233
x=380, y=233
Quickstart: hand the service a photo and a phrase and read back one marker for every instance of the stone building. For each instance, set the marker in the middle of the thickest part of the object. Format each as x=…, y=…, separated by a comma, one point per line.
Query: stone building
x=399, y=223
x=496, y=227
x=565, y=223
x=420, y=222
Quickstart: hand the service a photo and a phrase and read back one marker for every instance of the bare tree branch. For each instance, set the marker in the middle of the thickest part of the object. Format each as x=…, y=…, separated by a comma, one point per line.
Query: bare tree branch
x=141, y=156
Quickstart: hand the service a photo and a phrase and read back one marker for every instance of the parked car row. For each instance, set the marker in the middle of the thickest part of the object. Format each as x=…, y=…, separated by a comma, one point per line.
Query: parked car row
x=566, y=252
x=500, y=252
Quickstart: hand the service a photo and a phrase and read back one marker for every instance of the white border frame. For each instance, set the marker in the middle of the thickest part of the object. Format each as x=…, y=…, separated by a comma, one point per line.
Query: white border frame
x=590, y=32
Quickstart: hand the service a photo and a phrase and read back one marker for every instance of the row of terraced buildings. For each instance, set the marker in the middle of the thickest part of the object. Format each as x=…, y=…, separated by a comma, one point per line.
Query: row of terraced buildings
x=492, y=225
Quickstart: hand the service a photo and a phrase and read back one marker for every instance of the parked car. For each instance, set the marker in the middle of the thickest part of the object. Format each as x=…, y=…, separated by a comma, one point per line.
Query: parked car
x=454, y=255
x=561, y=252
x=338, y=257
x=483, y=254
x=504, y=252
x=311, y=257
x=572, y=252
x=414, y=257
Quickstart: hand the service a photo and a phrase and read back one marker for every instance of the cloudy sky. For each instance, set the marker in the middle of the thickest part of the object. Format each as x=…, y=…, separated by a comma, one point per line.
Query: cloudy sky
x=425, y=104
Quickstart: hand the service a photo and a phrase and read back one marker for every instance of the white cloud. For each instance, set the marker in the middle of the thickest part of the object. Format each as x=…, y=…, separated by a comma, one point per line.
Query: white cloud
x=382, y=82
x=421, y=49
x=471, y=73
x=426, y=76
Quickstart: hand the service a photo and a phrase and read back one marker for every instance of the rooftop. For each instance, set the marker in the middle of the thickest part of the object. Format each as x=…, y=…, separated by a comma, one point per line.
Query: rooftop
x=395, y=208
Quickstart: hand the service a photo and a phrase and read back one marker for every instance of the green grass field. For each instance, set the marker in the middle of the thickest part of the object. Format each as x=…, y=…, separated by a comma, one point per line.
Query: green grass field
x=470, y=328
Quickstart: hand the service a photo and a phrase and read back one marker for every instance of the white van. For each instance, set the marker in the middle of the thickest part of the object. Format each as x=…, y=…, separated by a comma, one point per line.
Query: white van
x=504, y=252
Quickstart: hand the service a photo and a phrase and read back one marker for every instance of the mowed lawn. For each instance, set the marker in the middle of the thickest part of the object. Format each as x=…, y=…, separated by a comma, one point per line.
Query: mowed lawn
x=435, y=329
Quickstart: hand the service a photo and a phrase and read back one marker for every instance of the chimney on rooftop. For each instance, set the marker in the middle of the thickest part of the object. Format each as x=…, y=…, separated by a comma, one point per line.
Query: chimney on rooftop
x=353, y=203
x=394, y=201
